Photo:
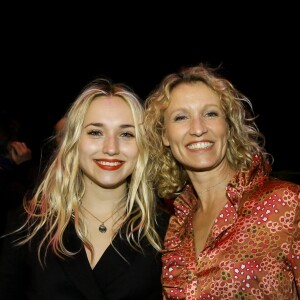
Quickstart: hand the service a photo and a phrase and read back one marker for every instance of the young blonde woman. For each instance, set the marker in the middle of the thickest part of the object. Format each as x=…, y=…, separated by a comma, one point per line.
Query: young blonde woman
x=92, y=230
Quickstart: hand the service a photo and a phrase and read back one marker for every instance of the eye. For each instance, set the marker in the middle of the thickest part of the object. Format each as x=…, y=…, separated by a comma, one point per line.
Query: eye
x=95, y=132
x=128, y=134
x=180, y=118
x=211, y=114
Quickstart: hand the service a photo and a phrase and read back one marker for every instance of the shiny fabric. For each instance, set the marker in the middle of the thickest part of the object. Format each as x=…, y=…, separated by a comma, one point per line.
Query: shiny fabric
x=253, y=250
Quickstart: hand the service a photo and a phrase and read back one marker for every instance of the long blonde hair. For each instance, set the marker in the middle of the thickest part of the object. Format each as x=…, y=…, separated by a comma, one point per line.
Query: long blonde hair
x=244, y=140
x=56, y=200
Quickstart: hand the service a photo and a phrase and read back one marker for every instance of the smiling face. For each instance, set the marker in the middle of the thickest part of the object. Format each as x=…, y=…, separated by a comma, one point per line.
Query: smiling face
x=195, y=127
x=108, y=151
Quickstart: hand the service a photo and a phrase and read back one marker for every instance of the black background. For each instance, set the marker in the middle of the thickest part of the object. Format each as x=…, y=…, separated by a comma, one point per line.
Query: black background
x=48, y=56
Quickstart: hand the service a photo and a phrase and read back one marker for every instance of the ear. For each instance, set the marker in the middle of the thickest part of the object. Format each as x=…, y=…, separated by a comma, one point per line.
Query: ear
x=165, y=139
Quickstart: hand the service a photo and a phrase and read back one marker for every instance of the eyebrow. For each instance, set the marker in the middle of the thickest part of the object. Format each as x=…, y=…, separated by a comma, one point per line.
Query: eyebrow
x=102, y=125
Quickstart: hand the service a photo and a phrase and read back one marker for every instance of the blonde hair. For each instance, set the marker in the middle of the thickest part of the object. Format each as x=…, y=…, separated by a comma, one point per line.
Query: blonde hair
x=244, y=140
x=57, y=198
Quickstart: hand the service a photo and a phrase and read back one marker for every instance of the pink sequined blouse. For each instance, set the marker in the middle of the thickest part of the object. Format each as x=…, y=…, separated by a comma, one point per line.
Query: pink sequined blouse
x=253, y=250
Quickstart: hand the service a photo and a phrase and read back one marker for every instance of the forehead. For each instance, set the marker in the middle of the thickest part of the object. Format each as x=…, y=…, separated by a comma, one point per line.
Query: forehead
x=195, y=92
x=112, y=105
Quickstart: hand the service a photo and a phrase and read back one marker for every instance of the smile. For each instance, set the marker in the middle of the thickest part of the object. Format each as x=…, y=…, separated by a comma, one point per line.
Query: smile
x=109, y=165
x=199, y=145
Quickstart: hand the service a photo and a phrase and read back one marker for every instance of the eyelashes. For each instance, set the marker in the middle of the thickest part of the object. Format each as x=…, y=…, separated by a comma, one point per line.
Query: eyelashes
x=211, y=114
x=99, y=133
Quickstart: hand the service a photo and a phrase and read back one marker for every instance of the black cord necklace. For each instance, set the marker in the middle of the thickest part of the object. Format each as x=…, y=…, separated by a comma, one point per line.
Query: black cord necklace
x=102, y=227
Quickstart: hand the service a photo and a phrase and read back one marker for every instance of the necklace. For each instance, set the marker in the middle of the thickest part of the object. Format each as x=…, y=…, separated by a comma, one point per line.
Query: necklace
x=102, y=227
x=213, y=186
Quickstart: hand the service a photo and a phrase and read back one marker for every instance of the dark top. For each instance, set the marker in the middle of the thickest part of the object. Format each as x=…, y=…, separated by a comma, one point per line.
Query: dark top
x=131, y=275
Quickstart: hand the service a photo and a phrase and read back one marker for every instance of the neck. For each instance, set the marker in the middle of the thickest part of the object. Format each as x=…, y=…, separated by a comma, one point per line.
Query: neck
x=213, y=190
x=214, y=186
x=103, y=206
x=105, y=200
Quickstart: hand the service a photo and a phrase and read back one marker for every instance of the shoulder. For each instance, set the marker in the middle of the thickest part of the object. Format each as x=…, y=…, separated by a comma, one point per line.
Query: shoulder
x=281, y=193
x=283, y=187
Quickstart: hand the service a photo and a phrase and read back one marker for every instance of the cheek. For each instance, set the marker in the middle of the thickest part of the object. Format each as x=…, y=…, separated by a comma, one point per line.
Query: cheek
x=135, y=154
x=172, y=134
x=132, y=159
x=177, y=138
x=87, y=146
x=222, y=129
x=130, y=150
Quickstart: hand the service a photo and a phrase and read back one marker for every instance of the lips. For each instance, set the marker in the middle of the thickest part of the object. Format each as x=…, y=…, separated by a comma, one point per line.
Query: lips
x=109, y=164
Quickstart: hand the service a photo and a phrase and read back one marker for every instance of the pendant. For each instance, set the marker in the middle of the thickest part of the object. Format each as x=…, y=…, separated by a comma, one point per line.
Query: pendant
x=102, y=228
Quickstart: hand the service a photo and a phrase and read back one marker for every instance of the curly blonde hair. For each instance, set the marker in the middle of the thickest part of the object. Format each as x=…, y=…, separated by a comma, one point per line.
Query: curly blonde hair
x=57, y=198
x=244, y=140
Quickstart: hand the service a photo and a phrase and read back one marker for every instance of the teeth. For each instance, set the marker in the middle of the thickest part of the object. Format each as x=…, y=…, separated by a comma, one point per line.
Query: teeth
x=112, y=164
x=200, y=145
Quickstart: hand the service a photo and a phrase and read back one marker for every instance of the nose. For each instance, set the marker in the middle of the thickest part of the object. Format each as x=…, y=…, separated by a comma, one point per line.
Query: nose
x=111, y=146
x=198, y=126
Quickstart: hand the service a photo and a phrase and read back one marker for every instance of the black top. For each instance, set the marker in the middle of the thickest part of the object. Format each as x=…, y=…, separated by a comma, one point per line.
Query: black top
x=131, y=275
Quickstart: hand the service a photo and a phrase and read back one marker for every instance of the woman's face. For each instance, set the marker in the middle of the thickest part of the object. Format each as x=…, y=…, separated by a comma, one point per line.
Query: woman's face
x=108, y=150
x=195, y=127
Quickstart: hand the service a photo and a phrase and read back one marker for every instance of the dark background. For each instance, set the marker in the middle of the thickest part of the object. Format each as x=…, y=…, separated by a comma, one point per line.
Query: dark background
x=48, y=58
